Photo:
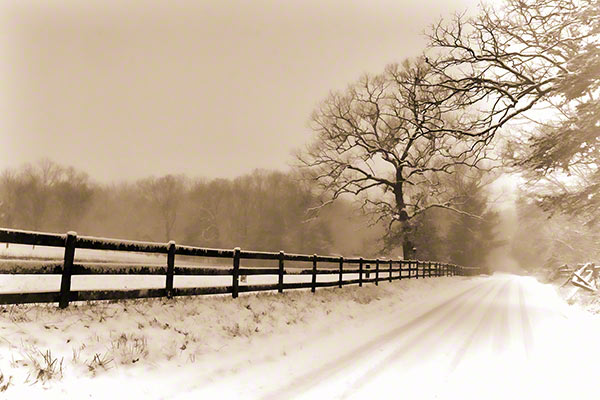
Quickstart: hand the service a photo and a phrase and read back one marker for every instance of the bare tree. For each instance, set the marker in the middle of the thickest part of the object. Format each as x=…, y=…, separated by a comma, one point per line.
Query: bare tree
x=165, y=195
x=208, y=204
x=387, y=140
x=73, y=195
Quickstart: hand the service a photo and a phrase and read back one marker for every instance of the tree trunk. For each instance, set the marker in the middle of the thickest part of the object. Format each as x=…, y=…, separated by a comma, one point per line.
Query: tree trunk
x=408, y=251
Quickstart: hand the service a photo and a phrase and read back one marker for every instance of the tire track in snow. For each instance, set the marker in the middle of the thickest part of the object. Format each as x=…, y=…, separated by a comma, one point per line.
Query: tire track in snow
x=487, y=317
x=502, y=332
x=330, y=368
x=425, y=333
x=525, y=324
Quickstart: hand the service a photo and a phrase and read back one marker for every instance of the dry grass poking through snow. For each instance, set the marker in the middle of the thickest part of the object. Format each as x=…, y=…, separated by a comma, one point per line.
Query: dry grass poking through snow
x=42, y=345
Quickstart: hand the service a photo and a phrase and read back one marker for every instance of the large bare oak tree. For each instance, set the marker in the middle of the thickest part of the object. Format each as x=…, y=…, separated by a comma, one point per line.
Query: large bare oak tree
x=386, y=140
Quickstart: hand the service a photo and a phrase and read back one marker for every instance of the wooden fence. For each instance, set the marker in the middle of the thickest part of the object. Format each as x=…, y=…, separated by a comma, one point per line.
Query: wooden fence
x=383, y=270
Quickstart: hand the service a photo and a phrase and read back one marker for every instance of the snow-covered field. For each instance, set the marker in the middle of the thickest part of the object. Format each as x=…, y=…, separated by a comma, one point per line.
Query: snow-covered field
x=27, y=255
x=146, y=348
x=38, y=283
x=57, y=253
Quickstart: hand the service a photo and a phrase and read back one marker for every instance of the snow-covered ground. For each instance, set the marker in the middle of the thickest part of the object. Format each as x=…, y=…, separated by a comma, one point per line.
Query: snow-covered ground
x=503, y=336
x=162, y=348
x=495, y=337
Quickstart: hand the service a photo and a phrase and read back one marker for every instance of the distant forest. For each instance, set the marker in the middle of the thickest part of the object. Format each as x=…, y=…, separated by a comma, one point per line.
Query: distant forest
x=264, y=210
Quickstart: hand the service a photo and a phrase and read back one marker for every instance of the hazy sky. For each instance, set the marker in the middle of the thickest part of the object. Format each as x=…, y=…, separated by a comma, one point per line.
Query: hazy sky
x=124, y=89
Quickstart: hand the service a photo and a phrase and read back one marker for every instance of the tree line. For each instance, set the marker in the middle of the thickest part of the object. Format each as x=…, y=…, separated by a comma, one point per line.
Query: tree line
x=264, y=210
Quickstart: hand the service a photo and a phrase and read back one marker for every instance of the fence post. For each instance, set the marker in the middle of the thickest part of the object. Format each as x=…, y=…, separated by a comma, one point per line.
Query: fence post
x=341, y=270
x=65, y=282
x=281, y=258
x=400, y=264
x=416, y=269
x=368, y=273
x=377, y=272
x=391, y=266
x=170, y=268
x=235, y=287
x=360, y=272
x=314, y=274
x=429, y=269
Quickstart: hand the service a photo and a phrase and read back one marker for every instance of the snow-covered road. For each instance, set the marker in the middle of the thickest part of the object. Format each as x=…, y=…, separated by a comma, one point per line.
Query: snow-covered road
x=500, y=337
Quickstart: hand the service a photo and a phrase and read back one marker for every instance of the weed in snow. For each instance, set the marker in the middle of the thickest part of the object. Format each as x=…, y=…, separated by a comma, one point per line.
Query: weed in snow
x=99, y=362
x=17, y=313
x=43, y=367
x=129, y=349
x=4, y=385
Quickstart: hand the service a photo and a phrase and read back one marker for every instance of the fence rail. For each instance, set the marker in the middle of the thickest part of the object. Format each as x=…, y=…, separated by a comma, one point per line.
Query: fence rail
x=382, y=269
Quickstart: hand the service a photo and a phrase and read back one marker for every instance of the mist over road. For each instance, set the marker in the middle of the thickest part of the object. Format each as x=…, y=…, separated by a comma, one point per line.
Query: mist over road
x=503, y=336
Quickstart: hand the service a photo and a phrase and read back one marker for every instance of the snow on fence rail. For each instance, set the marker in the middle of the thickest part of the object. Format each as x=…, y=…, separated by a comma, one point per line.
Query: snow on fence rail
x=382, y=269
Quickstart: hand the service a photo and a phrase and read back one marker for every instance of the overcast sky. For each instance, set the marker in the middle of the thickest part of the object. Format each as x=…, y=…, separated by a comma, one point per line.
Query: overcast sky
x=125, y=89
